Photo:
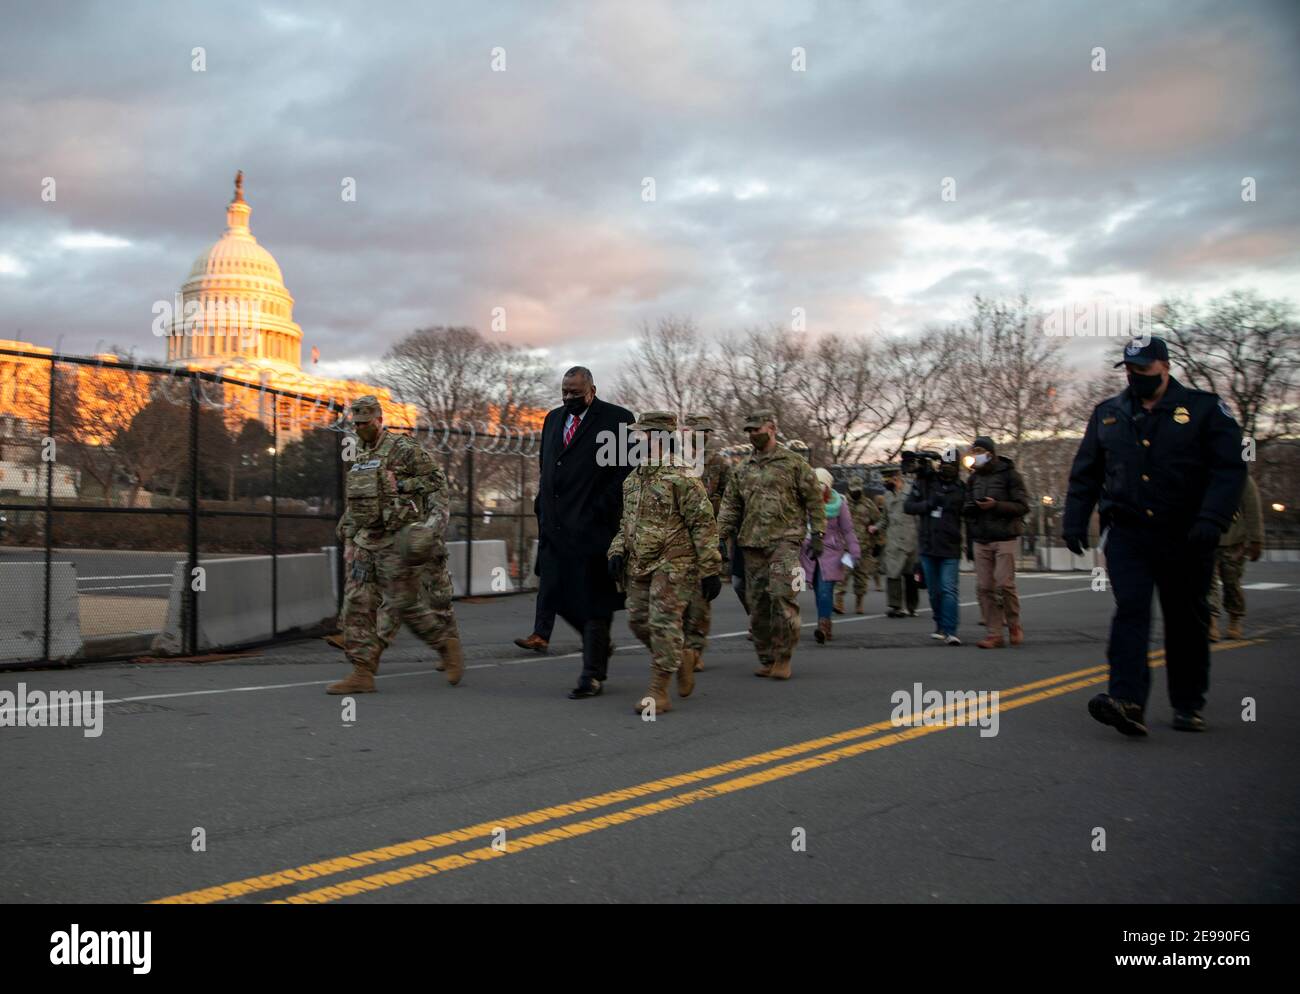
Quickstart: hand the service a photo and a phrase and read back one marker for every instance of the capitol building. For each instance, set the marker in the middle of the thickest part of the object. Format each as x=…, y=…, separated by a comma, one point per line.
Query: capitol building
x=233, y=317
x=236, y=318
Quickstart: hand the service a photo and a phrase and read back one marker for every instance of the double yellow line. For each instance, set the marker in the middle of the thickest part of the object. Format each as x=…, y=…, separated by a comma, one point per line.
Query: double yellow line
x=1024, y=694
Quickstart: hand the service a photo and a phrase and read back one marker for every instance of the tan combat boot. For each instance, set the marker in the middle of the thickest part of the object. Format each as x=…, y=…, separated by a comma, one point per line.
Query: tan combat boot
x=336, y=640
x=699, y=660
x=764, y=669
x=837, y=605
x=453, y=663
x=1214, y=628
x=781, y=669
x=686, y=673
x=1234, y=626
x=658, y=691
x=857, y=607
x=359, y=681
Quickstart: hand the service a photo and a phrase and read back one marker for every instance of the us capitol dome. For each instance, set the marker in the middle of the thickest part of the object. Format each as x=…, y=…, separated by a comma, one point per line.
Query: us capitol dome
x=236, y=318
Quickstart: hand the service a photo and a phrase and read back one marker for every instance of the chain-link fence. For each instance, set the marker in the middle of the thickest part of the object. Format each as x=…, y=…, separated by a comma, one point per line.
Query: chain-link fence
x=152, y=511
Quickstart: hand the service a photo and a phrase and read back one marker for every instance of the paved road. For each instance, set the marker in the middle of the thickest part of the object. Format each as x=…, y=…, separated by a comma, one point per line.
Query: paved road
x=254, y=753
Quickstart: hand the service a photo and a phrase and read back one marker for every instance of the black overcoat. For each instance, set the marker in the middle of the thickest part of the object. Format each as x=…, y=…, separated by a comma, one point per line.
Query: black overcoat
x=579, y=503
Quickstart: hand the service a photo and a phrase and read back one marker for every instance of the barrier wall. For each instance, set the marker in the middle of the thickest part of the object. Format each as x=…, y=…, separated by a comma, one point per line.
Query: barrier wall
x=235, y=607
x=489, y=556
x=22, y=612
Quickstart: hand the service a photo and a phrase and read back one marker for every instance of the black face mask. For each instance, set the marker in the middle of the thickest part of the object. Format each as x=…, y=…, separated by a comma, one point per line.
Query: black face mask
x=890, y=486
x=855, y=494
x=758, y=439
x=1144, y=386
x=948, y=470
x=576, y=405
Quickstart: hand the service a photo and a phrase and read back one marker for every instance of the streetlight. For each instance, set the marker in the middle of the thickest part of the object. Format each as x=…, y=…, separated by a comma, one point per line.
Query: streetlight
x=1279, y=508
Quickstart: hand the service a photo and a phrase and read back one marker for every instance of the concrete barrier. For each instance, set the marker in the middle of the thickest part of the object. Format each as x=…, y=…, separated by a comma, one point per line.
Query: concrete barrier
x=22, y=612
x=1061, y=559
x=489, y=556
x=235, y=607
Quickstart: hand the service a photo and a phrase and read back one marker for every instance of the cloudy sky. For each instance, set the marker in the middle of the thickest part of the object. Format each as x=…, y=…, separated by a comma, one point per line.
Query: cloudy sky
x=774, y=189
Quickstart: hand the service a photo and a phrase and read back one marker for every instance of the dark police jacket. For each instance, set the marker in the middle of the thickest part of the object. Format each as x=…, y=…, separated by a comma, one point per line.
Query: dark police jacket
x=1005, y=520
x=1162, y=468
x=579, y=506
x=937, y=536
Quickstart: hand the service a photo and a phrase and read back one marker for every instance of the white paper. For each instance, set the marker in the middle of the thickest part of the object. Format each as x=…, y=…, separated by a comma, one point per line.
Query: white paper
x=847, y=559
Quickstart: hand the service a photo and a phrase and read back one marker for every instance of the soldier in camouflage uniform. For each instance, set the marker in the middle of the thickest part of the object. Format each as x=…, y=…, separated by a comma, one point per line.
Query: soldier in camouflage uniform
x=771, y=501
x=867, y=522
x=717, y=470
x=666, y=549
x=387, y=493
x=1243, y=539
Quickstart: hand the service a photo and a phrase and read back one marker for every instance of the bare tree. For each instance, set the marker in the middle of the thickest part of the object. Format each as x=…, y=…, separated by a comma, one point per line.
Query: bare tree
x=1244, y=347
x=849, y=395
x=918, y=369
x=671, y=368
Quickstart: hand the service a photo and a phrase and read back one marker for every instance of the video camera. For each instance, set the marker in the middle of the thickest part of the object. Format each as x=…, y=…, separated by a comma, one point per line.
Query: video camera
x=922, y=461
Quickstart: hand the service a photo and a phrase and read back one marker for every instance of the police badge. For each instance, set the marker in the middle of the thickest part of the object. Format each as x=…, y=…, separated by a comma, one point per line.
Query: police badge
x=1181, y=416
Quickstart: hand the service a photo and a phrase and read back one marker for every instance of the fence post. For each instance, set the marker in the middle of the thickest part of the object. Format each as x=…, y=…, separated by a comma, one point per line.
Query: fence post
x=340, y=507
x=469, y=520
x=49, y=516
x=519, y=557
x=275, y=514
x=192, y=595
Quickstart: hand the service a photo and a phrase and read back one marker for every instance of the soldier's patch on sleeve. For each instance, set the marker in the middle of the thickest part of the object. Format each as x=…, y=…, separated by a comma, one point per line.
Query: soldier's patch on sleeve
x=1227, y=411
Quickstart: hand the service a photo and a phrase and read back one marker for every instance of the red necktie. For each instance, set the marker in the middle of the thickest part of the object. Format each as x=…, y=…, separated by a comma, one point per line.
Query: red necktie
x=568, y=432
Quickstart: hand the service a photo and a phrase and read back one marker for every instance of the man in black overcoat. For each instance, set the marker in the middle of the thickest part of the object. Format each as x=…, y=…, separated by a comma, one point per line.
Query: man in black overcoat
x=579, y=504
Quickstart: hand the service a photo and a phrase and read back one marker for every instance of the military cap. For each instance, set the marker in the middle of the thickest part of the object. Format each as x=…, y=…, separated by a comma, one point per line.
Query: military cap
x=1144, y=351
x=699, y=422
x=756, y=419
x=655, y=421
x=366, y=409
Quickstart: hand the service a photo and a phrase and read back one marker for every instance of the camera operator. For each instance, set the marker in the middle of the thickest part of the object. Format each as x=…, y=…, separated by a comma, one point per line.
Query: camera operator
x=937, y=498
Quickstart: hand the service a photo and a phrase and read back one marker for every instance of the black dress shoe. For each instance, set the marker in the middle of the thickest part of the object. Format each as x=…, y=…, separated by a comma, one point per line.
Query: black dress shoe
x=1189, y=721
x=1126, y=716
x=894, y=614
x=587, y=688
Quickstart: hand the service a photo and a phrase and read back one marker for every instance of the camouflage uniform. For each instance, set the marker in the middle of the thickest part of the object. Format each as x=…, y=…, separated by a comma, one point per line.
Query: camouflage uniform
x=717, y=470
x=865, y=513
x=388, y=489
x=668, y=540
x=1246, y=529
x=771, y=501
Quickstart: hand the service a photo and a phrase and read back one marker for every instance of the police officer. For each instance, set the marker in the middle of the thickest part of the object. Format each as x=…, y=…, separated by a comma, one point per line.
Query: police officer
x=716, y=472
x=771, y=502
x=665, y=550
x=1164, y=465
x=386, y=488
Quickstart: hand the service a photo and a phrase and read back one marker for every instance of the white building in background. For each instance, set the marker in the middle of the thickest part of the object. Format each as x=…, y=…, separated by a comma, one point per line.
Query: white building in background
x=236, y=319
x=20, y=479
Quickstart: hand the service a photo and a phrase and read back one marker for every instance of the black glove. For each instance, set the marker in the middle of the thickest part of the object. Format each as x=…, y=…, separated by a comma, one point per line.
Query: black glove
x=616, y=568
x=1204, y=534
x=817, y=544
x=1076, y=542
x=711, y=586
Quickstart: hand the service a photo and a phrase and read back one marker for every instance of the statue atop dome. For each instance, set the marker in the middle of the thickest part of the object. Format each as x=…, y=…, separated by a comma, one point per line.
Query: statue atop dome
x=239, y=188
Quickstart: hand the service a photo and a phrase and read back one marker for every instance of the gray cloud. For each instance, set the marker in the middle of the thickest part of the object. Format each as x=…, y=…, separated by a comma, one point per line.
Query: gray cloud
x=775, y=189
